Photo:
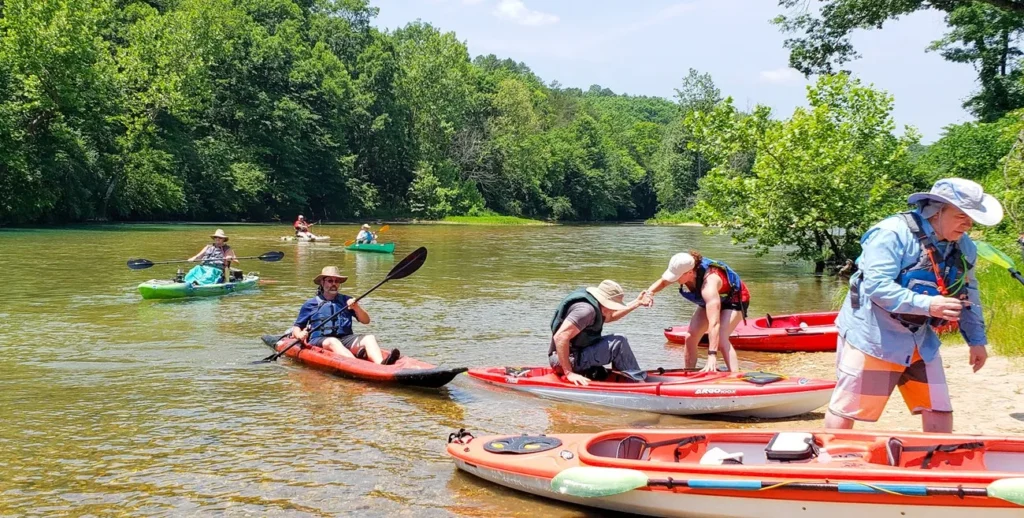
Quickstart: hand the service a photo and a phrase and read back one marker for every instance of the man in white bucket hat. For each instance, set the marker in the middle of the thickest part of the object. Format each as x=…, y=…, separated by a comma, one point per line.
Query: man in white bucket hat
x=577, y=345
x=916, y=272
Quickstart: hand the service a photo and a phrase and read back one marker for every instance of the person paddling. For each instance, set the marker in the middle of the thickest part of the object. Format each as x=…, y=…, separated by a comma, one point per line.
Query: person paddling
x=365, y=236
x=576, y=340
x=301, y=227
x=216, y=258
x=722, y=300
x=338, y=310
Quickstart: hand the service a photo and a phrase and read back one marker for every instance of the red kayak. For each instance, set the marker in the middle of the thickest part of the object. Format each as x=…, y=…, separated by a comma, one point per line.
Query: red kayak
x=802, y=332
x=405, y=371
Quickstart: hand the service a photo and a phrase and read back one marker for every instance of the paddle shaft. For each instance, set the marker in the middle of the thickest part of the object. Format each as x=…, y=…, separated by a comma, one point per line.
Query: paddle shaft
x=843, y=487
x=197, y=260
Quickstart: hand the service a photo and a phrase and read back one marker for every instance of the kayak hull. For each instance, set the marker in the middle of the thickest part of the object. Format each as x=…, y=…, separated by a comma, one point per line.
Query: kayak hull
x=380, y=248
x=313, y=239
x=674, y=393
x=406, y=371
x=162, y=289
x=804, y=332
x=742, y=490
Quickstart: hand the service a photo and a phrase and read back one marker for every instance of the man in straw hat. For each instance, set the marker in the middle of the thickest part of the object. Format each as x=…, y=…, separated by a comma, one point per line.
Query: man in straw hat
x=577, y=342
x=335, y=311
x=216, y=258
x=916, y=271
x=365, y=236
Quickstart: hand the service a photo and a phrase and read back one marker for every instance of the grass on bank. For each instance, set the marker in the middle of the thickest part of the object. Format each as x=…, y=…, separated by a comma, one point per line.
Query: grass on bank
x=1002, y=299
x=491, y=219
x=683, y=217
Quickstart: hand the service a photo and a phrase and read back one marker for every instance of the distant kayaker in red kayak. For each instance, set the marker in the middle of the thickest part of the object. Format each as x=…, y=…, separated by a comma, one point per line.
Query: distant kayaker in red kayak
x=216, y=259
x=916, y=271
x=337, y=310
x=576, y=329
x=722, y=300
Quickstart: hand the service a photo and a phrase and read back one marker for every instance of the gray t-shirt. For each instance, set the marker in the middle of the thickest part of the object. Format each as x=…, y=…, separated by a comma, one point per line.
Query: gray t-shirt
x=581, y=314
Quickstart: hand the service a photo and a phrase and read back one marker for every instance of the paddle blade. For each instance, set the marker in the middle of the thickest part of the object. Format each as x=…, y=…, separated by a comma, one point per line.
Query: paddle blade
x=139, y=264
x=385, y=228
x=589, y=482
x=350, y=242
x=409, y=265
x=271, y=256
x=1009, y=489
x=994, y=255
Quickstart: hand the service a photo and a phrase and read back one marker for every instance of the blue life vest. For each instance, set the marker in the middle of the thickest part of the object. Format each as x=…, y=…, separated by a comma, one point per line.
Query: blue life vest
x=920, y=276
x=339, y=325
x=213, y=256
x=735, y=284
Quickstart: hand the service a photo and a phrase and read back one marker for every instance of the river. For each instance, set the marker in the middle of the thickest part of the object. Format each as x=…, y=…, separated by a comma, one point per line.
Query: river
x=113, y=405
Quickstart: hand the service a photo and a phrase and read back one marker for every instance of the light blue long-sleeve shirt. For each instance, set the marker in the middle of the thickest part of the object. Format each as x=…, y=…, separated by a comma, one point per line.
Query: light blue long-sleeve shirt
x=888, y=248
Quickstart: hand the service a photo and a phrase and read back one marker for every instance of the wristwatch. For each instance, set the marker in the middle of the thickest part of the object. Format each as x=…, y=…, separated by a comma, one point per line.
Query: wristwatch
x=712, y=353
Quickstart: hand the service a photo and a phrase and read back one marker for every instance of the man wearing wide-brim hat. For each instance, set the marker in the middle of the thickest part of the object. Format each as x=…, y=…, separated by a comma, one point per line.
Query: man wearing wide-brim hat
x=216, y=258
x=916, y=272
x=335, y=312
x=365, y=236
x=577, y=345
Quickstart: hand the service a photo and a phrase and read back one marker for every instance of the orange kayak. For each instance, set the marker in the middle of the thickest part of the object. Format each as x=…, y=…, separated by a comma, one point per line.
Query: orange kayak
x=758, y=473
x=405, y=371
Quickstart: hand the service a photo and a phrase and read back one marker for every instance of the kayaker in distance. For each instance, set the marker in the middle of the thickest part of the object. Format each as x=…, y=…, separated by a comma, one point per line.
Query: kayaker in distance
x=301, y=227
x=916, y=270
x=722, y=300
x=365, y=236
x=336, y=336
x=576, y=332
x=216, y=259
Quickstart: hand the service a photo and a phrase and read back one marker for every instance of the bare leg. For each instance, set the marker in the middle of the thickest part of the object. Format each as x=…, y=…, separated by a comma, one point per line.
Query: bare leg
x=372, y=348
x=835, y=421
x=937, y=422
x=729, y=320
x=698, y=326
x=335, y=346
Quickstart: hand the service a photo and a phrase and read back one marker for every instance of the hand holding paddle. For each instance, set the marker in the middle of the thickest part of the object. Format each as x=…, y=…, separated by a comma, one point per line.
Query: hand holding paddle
x=997, y=257
x=403, y=269
x=142, y=264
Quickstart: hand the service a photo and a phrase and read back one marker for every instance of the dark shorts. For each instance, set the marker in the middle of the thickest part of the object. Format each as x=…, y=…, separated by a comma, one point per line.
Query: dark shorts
x=737, y=306
x=349, y=341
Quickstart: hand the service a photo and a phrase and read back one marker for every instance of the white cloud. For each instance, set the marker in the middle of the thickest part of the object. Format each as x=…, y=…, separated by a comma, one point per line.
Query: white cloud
x=781, y=76
x=471, y=2
x=517, y=11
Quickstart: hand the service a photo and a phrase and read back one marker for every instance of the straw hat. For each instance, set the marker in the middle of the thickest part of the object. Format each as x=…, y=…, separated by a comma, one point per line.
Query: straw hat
x=609, y=294
x=366, y=226
x=329, y=271
x=219, y=233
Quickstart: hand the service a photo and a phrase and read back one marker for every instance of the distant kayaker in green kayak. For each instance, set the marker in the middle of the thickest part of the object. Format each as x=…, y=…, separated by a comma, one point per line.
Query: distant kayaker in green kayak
x=216, y=258
x=337, y=310
x=576, y=329
x=722, y=300
x=365, y=236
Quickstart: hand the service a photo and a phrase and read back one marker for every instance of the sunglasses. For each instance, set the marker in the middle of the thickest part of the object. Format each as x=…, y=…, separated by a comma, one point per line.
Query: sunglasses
x=332, y=280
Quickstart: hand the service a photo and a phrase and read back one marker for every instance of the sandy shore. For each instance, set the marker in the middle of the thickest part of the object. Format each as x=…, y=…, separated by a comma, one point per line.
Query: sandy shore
x=990, y=401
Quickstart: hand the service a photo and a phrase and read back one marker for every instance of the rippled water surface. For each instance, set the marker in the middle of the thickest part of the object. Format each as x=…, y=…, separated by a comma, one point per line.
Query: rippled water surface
x=115, y=405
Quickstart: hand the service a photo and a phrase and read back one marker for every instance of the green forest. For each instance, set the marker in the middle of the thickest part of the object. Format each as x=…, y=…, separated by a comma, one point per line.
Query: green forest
x=256, y=110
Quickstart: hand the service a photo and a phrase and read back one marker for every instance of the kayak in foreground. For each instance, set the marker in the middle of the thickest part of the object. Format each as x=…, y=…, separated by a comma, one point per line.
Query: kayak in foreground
x=753, y=394
x=164, y=289
x=305, y=239
x=802, y=332
x=406, y=371
x=382, y=248
x=758, y=473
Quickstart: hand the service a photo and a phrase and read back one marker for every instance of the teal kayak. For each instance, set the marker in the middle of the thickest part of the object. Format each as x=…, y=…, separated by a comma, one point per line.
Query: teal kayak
x=163, y=289
x=383, y=248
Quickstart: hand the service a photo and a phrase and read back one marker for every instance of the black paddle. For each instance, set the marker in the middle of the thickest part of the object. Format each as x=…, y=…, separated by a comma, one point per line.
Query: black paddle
x=403, y=269
x=142, y=264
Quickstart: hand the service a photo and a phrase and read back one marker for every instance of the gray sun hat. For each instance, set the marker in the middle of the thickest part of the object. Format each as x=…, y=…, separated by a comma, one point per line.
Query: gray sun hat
x=609, y=294
x=965, y=195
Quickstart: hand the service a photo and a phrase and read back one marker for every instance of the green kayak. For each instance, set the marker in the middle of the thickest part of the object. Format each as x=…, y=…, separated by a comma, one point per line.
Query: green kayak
x=163, y=289
x=383, y=248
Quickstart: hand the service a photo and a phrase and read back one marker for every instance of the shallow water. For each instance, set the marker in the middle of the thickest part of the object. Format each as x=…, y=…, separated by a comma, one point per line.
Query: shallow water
x=115, y=405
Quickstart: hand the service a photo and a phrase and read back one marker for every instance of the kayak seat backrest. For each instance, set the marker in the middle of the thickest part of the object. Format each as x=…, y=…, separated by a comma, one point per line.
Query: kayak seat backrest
x=635, y=447
x=895, y=450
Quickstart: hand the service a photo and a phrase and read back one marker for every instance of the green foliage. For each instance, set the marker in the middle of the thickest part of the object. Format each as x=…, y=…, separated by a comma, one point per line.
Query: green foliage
x=1002, y=302
x=970, y=150
x=492, y=219
x=818, y=180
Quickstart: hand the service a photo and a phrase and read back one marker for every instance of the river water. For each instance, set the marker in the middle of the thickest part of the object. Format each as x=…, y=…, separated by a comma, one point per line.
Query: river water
x=112, y=405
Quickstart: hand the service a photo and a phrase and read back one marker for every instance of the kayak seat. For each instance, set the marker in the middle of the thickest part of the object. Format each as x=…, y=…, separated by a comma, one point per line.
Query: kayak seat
x=635, y=447
x=596, y=373
x=895, y=450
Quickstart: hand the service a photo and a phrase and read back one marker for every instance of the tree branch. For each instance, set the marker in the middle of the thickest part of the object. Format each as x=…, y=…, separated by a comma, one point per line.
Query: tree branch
x=1008, y=5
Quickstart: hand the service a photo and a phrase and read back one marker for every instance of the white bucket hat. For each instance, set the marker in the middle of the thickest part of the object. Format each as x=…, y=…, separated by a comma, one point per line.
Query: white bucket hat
x=965, y=195
x=678, y=266
x=609, y=294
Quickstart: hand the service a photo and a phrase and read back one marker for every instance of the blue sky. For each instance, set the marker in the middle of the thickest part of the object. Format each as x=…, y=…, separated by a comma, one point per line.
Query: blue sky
x=645, y=47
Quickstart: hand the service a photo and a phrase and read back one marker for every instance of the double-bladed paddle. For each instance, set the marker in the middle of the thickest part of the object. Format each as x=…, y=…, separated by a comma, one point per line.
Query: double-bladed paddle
x=381, y=230
x=592, y=481
x=142, y=264
x=998, y=258
x=403, y=269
